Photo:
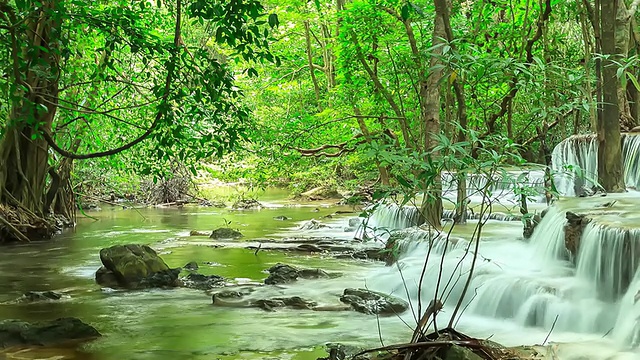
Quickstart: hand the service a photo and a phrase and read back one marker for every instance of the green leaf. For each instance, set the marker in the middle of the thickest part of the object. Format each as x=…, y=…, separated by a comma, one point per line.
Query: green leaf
x=273, y=20
x=404, y=12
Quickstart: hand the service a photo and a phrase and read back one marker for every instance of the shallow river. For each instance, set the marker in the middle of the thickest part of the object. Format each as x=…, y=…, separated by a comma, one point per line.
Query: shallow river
x=182, y=323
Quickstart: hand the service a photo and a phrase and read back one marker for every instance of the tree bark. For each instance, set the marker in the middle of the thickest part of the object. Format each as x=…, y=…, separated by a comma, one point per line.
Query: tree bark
x=610, y=171
x=312, y=69
x=431, y=208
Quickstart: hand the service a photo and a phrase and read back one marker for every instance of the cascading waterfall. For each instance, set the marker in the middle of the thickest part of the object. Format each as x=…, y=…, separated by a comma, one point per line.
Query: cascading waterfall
x=531, y=284
x=607, y=257
x=391, y=216
x=575, y=163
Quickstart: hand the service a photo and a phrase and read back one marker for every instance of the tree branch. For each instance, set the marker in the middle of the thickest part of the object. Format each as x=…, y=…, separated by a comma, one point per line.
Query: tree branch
x=175, y=58
x=513, y=88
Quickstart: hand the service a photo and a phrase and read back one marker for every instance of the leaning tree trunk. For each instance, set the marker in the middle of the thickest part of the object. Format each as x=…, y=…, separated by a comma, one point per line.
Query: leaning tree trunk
x=24, y=154
x=610, y=171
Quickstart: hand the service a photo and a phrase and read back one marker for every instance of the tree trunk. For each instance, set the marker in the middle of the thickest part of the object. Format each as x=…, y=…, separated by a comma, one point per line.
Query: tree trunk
x=23, y=152
x=312, y=69
x=609, y=151
x=431, y=209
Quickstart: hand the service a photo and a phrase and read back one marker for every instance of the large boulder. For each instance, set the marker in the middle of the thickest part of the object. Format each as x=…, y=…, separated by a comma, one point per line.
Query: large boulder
x=372, y=302
x=59, y=331
x=225, y=233
x=134, y=266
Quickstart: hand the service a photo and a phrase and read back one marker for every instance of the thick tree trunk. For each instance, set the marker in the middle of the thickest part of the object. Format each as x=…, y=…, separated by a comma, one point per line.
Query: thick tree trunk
x=24, y=157
x=609, y=151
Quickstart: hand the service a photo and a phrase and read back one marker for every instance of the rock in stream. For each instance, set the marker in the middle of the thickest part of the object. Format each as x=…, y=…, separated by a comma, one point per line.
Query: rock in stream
x=46, y=333
x=134, y=266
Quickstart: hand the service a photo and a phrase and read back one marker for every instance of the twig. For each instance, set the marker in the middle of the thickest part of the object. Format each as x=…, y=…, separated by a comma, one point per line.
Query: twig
x=551, y=330
x=258, y=249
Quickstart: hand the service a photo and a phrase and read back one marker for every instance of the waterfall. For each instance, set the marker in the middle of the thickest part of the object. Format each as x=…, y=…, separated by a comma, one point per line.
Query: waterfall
x=607, y=257
x=391, y=216
x=531, y=284
x=549, y=243
x=575, y=163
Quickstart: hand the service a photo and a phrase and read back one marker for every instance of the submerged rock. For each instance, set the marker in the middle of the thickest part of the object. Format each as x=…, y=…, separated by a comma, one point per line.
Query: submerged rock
x=37, y=296
x=283, y=273
x=225, y=233
x=235, y=299
x=20, y=333
x=202, y=282
x=281, y=218
x=134, y=266
x=312, y=224
x=198, y=233
x=371, y=302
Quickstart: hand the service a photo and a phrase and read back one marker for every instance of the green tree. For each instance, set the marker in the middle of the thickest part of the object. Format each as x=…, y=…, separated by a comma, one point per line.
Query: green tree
x=90, y=80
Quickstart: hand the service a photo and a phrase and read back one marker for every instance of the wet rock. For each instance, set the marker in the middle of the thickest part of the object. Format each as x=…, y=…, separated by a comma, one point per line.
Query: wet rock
x=308, y=248
x=283, y=273
x=191, y=266
x=573, y=231
x=160, y=279
x=225, y=233
x=59, y=331
x=371, y=302
x=133, y=266
x=199, y=233
x=320, y=193
x=312, y=274
x=294, y=302
x=355, y=222
x=230, y=294
x=202, y=282
x=36, y=296
x=247, y=204
x=312, y=224
x=107, y=278
x=281, y=218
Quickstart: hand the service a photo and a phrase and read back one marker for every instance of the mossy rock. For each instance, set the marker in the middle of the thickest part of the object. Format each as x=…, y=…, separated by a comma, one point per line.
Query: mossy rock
x=130, y=264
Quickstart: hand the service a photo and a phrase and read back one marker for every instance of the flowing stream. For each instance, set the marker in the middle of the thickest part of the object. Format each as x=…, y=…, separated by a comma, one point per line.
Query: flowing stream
x=522, y=292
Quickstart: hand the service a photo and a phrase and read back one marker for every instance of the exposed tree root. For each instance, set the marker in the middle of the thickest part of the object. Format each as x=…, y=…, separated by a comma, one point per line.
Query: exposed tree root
x=16, y=224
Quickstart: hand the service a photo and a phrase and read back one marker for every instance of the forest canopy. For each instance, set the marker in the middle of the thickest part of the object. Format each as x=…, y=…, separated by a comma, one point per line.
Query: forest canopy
x=340, y=93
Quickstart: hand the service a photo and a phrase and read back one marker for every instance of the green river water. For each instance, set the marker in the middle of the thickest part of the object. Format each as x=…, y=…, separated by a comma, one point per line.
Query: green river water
x=182, y=323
